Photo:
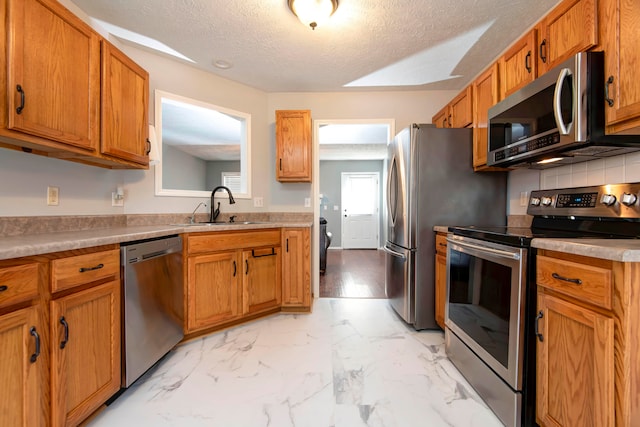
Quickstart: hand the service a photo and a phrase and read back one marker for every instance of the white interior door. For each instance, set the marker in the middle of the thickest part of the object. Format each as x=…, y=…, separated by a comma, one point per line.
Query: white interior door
x=360, y=210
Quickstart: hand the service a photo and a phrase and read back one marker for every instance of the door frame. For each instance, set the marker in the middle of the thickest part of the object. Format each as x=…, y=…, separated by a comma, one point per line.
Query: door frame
x=377, y=196
x=315, y=230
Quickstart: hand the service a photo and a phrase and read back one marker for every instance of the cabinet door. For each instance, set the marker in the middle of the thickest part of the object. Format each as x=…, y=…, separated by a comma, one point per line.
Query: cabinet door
x=261, y=279
x=518, y=65
x=485, y=95
x=293, y=146
x=21, y=369
x=296, y=267
x=85, y=352
x=575, y=365
x=441, y=288
x=54, y=74
x=214, y=290
x=461, y=109
x=441, y=118
x=125, y=100
x=619, y=20
x=568, y=29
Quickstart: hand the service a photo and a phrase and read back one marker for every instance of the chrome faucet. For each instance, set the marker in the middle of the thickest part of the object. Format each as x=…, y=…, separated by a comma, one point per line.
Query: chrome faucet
x=216, y=212
x=192, y=220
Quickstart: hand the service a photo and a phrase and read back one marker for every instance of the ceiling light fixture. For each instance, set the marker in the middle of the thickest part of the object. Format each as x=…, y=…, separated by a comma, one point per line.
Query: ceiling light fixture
x=313, y=12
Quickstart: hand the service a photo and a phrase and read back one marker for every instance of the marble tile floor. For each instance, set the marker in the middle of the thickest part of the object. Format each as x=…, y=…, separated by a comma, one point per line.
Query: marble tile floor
x=350, y=363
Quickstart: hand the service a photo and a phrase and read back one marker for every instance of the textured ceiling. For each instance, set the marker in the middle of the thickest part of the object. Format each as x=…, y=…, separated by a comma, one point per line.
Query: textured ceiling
x=383, y=44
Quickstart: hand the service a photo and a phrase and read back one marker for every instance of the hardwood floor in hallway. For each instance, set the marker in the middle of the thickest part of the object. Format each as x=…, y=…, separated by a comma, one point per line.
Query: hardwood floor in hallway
x=353, y=273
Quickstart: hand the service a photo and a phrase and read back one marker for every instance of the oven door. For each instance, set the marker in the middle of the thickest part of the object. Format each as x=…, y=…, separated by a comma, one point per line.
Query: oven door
x=485, y=302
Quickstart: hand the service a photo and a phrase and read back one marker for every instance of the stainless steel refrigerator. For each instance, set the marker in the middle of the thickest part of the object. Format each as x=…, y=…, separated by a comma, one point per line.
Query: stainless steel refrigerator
x=430, y=182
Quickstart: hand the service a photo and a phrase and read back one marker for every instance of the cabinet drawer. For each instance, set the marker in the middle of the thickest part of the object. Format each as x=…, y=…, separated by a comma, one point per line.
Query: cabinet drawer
x=218, y=241
x=80, y=269
x=441, y=243
x=584, y=282
x=18, y=283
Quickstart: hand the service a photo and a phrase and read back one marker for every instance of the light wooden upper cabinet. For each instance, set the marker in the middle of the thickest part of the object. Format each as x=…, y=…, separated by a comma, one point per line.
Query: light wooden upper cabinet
x=125, y=105
x=518, y=65
x=485, y=94
x=54, y=74
x=461, y=109
x=619, y=21
x=568, y=29
x=293, y=145
x=440, y=119
x=65, y=97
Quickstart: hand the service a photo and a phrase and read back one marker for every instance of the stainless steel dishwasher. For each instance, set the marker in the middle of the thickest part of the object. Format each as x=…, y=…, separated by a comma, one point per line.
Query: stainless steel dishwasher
x=153, y=302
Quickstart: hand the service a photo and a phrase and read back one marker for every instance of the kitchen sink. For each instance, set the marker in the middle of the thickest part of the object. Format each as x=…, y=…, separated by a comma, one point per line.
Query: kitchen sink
x=207, y=224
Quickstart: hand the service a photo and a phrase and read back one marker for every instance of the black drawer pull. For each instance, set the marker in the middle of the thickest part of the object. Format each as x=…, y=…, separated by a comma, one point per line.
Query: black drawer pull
x=21, y=106
x=273, y=252
x=443, y=244
x=246, y=263
x=34, y=334
x=85, y=269
x=65, y=340
x=566, y=279
x=3, y=288
x=235, y=268
x=537, y=331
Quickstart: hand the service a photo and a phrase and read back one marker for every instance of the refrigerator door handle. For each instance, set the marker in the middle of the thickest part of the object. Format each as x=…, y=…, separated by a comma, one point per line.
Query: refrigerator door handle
x=394, y=253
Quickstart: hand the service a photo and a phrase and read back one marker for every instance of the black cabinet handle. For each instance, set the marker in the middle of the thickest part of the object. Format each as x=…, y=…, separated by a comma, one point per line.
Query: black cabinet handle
x=543, y=52
x=444, y=122
x=65, y=340
x=287, y=244
x=527, y=62
x=273, y=252
x=3, y=288
x=34, y=334
x=246, y=263
x=85, y=269
x=281, y=164
x=537, y=331
x=148, y=147
x=566, y=279
x=234, y=269
x=21, y=106
x=606, y=91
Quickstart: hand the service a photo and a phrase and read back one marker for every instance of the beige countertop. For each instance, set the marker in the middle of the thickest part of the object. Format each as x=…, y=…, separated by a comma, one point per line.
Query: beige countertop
x=36, y=244
x=625, y=250
x=441, y=228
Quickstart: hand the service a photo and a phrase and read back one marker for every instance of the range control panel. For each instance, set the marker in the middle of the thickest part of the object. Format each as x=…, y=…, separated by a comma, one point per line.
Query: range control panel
x=608, y=201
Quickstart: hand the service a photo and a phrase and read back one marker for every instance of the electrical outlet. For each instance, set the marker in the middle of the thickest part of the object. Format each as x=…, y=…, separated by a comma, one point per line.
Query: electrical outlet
x=335, y=207
x=524, y=198
x=307, y=202
x=53, y=196
x=258, y=202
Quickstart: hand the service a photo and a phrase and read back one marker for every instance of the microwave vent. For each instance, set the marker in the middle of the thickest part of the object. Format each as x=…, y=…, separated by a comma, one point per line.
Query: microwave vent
x=599, y=151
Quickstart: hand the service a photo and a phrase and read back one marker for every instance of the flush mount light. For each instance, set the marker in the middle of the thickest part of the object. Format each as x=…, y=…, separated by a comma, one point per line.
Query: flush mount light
x=313, y=12
x=222, y=64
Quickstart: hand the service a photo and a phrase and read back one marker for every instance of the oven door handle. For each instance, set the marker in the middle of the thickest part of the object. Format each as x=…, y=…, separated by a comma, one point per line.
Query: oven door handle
x=498, y=252
x=394, y=253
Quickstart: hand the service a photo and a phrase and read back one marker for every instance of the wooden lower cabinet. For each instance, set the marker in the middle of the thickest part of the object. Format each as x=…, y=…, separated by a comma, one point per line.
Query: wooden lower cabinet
x=214, y=289
x=262, y=288
x=21, y=369
x=574, y=365
x=296, y=267
x=587, y=360
x=85, y=352
x=441, y=278
x=230, y=275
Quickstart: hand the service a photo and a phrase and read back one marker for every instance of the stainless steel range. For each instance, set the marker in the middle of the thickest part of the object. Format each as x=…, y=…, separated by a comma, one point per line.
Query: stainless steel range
x=491, y=290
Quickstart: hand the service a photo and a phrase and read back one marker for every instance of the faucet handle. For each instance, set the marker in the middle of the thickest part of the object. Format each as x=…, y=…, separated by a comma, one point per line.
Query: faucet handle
x=232, y=218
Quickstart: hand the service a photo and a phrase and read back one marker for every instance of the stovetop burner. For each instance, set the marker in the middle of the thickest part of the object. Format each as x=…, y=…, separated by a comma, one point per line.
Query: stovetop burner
x=607, y=211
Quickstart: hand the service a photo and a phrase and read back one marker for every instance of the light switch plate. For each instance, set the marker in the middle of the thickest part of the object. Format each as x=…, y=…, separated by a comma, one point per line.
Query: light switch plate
x=307, y=202
x=258, y=202
x=524, y=198
x=53, y=194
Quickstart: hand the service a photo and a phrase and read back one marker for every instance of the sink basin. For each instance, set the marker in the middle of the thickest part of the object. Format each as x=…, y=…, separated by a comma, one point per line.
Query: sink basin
x=206, y=224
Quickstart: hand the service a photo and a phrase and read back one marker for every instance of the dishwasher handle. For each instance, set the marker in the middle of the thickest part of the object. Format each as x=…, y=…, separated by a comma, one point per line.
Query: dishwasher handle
x=145, y=251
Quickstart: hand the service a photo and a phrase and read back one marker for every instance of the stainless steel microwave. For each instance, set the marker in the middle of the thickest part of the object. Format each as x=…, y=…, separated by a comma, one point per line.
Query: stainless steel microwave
x=558, y=118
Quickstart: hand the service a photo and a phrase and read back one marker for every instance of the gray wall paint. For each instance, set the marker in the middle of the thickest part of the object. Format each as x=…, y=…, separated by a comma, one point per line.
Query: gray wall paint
x=184, y=172
x=330, y=188
x=215, y=169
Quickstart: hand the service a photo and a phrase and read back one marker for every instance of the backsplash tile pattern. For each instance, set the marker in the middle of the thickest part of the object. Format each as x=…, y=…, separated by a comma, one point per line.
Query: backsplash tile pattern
x=613, y=170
